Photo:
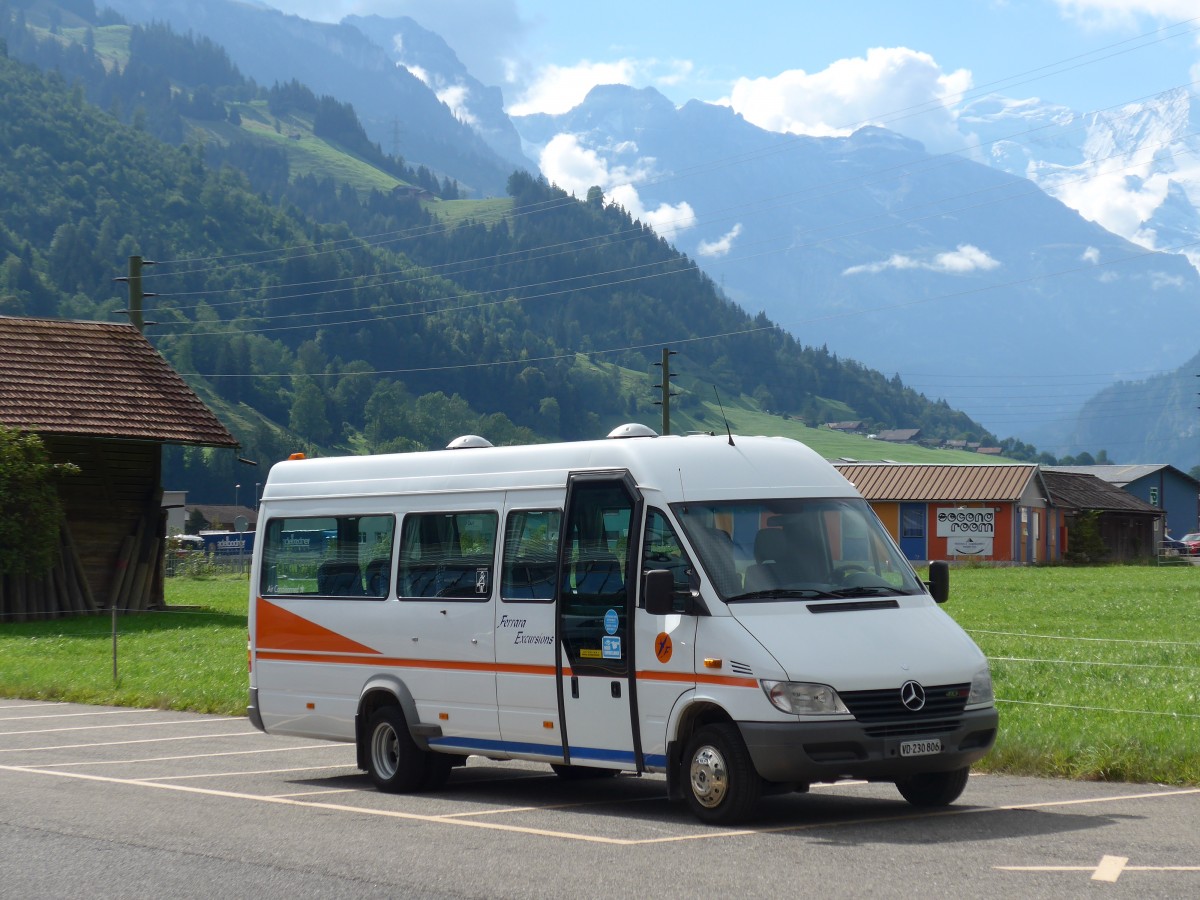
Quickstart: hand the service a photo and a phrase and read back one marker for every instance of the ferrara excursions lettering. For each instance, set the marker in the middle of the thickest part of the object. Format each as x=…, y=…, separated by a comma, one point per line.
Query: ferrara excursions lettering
x=521, y=637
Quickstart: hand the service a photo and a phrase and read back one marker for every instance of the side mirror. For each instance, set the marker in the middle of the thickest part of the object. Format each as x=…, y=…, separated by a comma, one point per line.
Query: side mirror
x=939, y=581
x=658, y=590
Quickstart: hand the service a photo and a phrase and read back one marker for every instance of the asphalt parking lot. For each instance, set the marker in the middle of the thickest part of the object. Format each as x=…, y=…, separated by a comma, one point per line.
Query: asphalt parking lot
x=125, y=802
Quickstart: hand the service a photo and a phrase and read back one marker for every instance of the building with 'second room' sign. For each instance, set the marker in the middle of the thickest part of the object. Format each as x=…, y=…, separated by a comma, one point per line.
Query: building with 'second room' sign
x=999, y=513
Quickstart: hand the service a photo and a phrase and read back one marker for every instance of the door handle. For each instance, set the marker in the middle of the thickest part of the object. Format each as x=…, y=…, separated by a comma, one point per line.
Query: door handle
x=615, y=688
x=575, y=687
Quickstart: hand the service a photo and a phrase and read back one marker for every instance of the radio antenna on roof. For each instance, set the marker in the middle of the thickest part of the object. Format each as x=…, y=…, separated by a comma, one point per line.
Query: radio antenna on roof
x=726, y=421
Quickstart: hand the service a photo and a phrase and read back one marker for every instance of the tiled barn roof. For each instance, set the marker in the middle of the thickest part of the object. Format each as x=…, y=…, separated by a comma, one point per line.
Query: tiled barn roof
x=97, y=379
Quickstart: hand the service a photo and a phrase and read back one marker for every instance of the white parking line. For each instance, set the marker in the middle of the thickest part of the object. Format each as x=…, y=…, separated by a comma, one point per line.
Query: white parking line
x=122, y=725
x=187, y=737
x=99, y=712
x=148, y=759
x=251, y=772
x=1110, y=868
x=457, y=820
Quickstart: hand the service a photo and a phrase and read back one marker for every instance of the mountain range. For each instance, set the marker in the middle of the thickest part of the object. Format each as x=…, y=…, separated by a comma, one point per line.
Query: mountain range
x=972, y=275
x=959, y=273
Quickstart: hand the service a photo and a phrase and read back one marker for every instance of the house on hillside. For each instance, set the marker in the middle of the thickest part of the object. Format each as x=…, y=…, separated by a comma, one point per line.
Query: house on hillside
x=1129, y=527
x=100, y=396
x=899, y=435
x=1000, y=513
x=1164, y=487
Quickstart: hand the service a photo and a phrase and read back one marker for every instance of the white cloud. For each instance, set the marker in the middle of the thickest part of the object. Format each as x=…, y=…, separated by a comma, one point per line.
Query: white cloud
x=557, y=89
x=1090, y=255
x=1160, y=280
x=1124, y=13
x=722, y=245
x=894, y=87
x=963, y=260
x=418, y=72
x=576, y=168
x=455, y=96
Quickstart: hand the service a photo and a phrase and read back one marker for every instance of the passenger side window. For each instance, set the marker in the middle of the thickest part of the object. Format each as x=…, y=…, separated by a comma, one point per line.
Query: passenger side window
x=662, y=550
x=447, y=555
x=327, y=556
x=530, y=555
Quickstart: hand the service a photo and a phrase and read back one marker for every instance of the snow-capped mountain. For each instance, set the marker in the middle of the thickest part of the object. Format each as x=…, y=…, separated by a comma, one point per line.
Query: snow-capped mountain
x=1135, y=169
x=909, y=262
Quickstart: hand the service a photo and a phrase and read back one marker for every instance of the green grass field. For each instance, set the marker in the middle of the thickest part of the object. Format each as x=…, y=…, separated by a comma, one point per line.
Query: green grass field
x=1097, y=671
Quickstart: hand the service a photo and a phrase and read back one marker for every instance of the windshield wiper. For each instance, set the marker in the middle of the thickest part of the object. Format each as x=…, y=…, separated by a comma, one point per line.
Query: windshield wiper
x=877, y=590
x=782, y=594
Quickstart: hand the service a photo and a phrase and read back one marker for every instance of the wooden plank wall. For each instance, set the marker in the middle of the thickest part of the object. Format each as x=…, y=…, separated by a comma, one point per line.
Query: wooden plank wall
x=115, y=517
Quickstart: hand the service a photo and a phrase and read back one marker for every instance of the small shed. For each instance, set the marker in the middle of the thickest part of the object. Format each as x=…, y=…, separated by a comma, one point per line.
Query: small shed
x=1164, y=487
x=1129, y=527
x=994, y=512
x=100, y=396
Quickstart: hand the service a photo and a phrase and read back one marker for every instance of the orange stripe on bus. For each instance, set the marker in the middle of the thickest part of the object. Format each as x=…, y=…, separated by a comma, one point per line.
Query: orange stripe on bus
x=496, y=668
x=275, y=626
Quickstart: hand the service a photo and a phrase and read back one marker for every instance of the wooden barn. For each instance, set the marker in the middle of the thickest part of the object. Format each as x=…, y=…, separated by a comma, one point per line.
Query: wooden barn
x=99, y=396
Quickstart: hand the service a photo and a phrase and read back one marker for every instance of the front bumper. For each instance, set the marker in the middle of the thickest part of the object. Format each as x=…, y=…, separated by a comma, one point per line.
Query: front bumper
x=807, y=752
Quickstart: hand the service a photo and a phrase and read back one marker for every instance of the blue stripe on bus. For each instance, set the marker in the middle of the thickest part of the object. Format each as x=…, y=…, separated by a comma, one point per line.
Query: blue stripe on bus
x=578, y=754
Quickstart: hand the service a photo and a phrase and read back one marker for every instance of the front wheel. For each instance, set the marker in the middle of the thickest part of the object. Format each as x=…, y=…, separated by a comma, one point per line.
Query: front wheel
x=722, y=783
x=934, y=788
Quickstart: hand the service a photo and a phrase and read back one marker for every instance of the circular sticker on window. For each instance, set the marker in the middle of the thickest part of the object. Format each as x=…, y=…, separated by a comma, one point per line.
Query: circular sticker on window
x=610, y=621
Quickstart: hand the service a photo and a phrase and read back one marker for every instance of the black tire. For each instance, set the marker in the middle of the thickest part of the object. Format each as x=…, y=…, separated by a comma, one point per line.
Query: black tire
x=437, y=770
x=934, y=788
x=581, y=773
x=719, y=778
x=394, y=762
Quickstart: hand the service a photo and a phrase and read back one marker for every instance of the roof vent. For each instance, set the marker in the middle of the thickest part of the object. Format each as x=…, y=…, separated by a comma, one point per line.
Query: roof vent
x=632, y=430
x=468, y=442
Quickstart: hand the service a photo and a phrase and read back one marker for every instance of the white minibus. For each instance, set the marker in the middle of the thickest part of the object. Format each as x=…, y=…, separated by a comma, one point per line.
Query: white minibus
x=725, y=610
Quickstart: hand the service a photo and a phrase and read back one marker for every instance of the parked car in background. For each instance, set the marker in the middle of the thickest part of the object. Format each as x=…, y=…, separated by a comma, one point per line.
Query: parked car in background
x=1168, y=546
x=1191, y=543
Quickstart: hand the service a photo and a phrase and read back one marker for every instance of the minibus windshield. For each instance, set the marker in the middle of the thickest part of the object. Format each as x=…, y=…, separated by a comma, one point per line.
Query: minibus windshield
x=787, y=548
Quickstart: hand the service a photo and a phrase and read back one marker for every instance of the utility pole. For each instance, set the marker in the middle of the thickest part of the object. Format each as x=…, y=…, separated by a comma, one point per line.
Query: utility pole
x=667, y=393
x=136, y=294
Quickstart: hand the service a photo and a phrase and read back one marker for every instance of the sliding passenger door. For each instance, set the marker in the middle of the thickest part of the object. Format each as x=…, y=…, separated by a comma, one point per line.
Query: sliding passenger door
x=597, y=589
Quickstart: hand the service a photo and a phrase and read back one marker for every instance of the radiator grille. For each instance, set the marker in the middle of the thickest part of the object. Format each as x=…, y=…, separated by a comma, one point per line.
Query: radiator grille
x=941, y=701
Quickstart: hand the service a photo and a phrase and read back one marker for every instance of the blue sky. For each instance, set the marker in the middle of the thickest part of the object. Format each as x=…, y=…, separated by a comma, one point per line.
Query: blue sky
x=811, y=65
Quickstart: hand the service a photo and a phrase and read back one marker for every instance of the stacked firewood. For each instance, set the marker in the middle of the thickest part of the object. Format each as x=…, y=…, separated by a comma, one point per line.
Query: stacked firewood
x=63, y=591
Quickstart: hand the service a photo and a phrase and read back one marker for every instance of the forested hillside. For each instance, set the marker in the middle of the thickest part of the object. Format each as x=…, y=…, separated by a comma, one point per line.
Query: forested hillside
x=315, y=313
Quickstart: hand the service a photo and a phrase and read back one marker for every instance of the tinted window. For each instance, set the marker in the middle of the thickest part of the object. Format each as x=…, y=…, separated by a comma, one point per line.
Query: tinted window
x=447, y=555
x=327, y=556
x=530, y=554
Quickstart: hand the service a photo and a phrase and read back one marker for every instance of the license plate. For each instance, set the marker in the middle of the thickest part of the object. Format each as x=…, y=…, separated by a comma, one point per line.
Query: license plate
x=920, y=748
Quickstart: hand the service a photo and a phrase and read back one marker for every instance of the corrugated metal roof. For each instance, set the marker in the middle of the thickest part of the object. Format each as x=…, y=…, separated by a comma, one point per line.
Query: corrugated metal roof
x=1120, y=475
x=1085, y=491
x=98, y=379
x=938, y=481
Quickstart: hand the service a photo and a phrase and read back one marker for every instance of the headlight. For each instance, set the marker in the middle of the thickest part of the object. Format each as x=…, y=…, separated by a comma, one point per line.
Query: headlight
x=801, y=698
x=981, y=689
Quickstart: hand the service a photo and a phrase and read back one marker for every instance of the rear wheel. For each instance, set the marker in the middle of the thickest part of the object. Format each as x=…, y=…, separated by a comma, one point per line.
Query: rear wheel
x=934, y=788
x=721, y=781
x=394, y=762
